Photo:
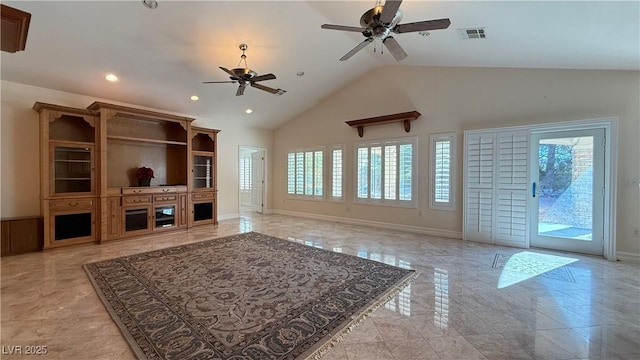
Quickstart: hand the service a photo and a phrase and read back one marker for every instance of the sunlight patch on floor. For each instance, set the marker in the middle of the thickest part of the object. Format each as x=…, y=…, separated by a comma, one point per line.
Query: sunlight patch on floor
x=526, y=265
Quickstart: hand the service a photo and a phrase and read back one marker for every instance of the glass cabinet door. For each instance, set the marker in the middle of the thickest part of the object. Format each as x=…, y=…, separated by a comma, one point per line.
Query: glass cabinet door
x=72, y=226
x=136, y=220
x=202, y=171
x=72, y=169
x=165, y=216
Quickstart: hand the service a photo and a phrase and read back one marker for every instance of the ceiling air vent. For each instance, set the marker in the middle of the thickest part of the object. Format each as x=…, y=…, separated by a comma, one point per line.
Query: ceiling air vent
x=474, y=33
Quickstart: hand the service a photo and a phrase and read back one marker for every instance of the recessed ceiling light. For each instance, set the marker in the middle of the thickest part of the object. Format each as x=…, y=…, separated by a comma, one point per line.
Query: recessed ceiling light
x=111, y=77
x=248, y=111
x=151, y=4
x=194, y=97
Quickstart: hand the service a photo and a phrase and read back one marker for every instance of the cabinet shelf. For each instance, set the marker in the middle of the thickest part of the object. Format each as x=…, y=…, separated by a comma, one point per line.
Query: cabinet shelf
x=72, y=178
x=73, y=161
x=143, y=140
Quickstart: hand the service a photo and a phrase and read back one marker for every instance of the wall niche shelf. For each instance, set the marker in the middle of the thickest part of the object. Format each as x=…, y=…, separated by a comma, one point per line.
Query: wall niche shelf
x=405, y=117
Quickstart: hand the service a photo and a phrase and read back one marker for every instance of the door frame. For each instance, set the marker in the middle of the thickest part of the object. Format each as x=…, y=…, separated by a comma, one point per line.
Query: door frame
x=598, y=228
x=264, y=175
x=610, y=126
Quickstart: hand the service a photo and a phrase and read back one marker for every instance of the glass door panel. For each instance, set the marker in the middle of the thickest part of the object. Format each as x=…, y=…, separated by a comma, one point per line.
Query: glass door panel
x=165, y=217
x=72, y=169
x=203, y=211
x=567, y=191
x=72, y=226
x=202, y=171
x=136, y=220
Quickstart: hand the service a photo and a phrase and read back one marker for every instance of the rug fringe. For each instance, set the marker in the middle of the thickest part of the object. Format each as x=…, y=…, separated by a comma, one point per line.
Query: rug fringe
x=338, y=337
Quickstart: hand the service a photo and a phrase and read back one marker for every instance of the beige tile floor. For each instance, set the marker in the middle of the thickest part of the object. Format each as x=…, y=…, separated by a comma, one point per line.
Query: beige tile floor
x=470, y=301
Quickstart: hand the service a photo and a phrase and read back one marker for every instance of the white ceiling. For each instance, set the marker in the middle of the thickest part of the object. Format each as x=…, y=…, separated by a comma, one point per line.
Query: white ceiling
x=161, y=56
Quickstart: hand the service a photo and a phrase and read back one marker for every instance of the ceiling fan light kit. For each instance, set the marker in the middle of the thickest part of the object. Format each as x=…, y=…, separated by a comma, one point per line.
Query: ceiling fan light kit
x=247, y=77
x=380, y=22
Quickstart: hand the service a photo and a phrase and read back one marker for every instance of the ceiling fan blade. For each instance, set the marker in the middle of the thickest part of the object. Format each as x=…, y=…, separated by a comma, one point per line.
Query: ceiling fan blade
x=268, y=89
x=394, y=47
x=220, y=82
x=263, y=77
x=422, y=26
x=227, y=71
x=359, y=47
x=241, y=89
x=343, y=28
x=389, y=11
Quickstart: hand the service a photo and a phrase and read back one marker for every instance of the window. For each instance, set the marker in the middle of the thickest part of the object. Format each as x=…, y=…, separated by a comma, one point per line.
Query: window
x=385, y=172
x=337, y=171
x=304, y=173
x=442, y=171
x=245, y=173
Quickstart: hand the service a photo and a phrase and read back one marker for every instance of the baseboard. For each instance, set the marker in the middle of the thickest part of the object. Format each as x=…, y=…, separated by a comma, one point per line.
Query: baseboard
x=628, y=257
x=377, y=224
x=228, y=216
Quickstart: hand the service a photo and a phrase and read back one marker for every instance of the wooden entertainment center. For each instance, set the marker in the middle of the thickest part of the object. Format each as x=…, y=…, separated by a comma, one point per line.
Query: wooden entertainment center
x=89, y=157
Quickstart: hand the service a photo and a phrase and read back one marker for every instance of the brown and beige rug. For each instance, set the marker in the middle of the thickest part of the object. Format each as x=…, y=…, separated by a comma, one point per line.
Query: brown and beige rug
x=242, y=297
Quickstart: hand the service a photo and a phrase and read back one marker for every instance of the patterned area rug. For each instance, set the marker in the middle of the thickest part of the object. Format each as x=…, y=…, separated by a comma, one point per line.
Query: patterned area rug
x=241, y=297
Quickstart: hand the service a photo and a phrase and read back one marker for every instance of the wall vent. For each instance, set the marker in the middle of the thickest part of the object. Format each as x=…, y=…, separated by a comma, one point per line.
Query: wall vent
x=473, y=33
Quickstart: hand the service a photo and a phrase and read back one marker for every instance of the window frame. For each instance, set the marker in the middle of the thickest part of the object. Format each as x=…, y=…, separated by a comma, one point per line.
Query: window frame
x=305, y=151
x=383, y=143
x=434, y=139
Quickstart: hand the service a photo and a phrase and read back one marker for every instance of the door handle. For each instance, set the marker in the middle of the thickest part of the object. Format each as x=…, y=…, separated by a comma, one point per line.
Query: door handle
x=533, y=189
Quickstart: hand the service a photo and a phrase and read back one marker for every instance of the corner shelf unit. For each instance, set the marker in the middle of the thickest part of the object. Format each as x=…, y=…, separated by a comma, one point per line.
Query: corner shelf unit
x=88, y=180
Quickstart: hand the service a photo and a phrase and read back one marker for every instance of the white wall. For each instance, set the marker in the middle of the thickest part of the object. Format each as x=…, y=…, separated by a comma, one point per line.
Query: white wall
x=457, y=99
x=19, y=148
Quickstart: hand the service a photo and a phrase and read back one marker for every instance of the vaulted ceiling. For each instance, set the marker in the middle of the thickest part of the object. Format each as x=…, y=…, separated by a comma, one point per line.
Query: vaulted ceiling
x=162, y=56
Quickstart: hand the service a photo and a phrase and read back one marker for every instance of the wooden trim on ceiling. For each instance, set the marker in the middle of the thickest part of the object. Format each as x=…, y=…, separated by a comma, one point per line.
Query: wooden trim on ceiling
x=15, y=26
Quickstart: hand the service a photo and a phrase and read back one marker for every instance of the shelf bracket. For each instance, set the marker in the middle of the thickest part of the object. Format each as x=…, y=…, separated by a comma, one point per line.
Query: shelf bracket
x=405, y=118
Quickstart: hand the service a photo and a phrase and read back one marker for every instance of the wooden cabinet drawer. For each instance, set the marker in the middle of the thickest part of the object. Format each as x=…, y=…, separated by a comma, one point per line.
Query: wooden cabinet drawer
x=165, y=198
x=138, y=191
x=136, y=200
x=153, y=190
x=71, y=204
x=203, y=196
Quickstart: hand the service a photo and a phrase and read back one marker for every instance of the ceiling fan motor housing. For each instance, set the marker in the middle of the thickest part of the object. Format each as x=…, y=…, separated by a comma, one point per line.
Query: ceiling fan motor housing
x=244, y=73
x=371, y=20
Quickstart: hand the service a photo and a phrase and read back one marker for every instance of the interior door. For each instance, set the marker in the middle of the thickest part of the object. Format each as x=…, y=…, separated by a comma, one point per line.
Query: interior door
x=257, y=180
x=567, y=191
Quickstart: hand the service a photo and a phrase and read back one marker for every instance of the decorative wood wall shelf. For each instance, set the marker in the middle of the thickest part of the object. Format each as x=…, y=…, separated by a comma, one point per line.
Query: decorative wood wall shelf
x=15, y=26
x=405, y=117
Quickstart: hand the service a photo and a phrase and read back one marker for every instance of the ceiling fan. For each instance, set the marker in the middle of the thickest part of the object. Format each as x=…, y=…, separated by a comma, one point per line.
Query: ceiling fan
x=382, y=20
x=245, y=76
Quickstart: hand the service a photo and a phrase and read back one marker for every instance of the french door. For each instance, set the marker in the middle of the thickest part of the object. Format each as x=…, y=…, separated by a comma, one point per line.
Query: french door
x=567, y=190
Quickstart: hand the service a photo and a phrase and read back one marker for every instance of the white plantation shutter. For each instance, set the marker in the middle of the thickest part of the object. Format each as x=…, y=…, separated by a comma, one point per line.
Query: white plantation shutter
x=479, y=215
x=337, y=178
x=479, y=166
x=442, y=171
x=496, y=168
x=480, y=161
x=512, y=188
